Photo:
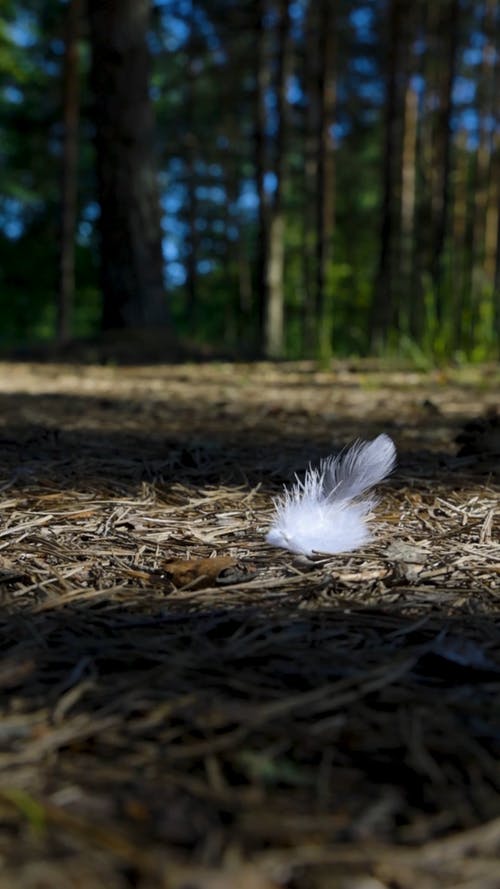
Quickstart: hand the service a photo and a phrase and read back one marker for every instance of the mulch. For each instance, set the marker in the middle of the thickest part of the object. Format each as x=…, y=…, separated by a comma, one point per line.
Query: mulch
x=185, y=707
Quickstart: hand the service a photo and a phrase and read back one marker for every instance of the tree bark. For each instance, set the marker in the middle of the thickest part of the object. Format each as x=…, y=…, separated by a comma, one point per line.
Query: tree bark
x=383, y=308
x=310, y=178
x=325, y=179
x=260, y=163
x=492, y=235
x=408, y=196
x=485, y=204
x=449, y=27
x=428, y=33
x=275, y=266
x=496, y=259
x=461, y=259
x=190, y=158
x=69, y=178
x=491, y=259
x=130, y=221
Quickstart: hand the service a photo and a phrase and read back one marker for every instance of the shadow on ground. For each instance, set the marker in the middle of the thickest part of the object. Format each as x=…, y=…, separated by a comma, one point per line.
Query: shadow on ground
x=75, y=440
x=132, y=745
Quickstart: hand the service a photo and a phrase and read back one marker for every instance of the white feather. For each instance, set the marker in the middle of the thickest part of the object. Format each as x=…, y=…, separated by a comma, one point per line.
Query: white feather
x=318, y=514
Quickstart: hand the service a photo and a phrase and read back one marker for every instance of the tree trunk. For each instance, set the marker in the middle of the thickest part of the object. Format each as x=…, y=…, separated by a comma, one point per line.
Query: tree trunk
x=383, y=308
x=69, y=178
x=485, y=205
x=310, y=179
x=492, y=236
x=190, y=158
x=449, y=26
x=130, y=221
x=260, y=155
x=408, y=195
x=428, y=34
x=192, y=235
x=496, y=260
x=237, y=253
x=325, y=180
x=459, y=230
x=493, y=220
x=275, y=266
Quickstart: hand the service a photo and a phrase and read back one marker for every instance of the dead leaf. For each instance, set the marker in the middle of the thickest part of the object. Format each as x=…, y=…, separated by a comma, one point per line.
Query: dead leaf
x=200, y=573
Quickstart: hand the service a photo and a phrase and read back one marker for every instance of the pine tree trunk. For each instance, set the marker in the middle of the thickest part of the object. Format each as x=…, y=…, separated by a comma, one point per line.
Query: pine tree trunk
x=192, y=234
x=274, y=315
x=383, y=308
x=69, y=179
x=493, y=220
x=190, y=156
x=236, y=248
x=496, y=278
x=485, y=204
x=275, y=266
x=237, y=252
x=459, y=231
x=426, y=167
x=325, y=180
x=408, y=196
x=310, y=179
x=449, y=27
x=130, y=221
x=260, y=163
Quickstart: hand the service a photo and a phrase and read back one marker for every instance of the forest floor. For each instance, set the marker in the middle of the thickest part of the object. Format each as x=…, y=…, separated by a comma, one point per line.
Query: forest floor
x=259, y=720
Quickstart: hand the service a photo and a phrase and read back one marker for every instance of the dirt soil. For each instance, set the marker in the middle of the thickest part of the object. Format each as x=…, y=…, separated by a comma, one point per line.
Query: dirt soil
x=186, y=707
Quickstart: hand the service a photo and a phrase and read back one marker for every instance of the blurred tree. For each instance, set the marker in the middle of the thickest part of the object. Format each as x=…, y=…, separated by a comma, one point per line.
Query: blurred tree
x=130, y=229
x=486, y=191
x=448, y=36
x=69, y=183
x=191, y=154
x=459, y=235
x=384, y=308
x=407, y=290
x=328, y=173
x=261, y=86
x=495, y=248
x=275, y=227
x=325, y=172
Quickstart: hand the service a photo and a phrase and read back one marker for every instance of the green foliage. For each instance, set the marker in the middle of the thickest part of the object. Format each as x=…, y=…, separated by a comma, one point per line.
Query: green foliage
x=203, y=83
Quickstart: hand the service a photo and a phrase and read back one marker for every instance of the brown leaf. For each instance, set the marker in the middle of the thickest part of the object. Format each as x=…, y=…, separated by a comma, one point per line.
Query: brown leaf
x=198, y=573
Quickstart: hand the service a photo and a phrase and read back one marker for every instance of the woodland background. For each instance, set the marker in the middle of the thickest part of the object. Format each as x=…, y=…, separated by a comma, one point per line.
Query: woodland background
x=282, y=178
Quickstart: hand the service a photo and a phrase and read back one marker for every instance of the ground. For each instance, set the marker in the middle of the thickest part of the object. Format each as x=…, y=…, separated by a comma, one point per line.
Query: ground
x=259, y=720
